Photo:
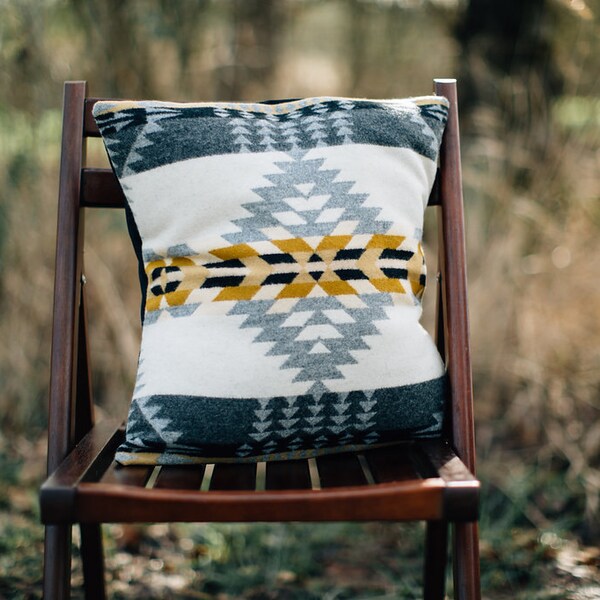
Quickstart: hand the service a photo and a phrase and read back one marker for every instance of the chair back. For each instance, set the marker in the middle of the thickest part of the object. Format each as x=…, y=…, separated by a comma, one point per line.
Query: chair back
x=81, y=187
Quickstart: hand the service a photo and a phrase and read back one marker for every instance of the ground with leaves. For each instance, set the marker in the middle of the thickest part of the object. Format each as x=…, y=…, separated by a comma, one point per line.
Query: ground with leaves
x=294, y=561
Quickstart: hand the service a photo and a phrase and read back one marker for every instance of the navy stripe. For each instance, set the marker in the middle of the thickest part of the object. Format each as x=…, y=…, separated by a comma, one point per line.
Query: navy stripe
x=395, y=273
x=276, y=278
x=348, y=274
x=397, y=254
x=231, y=281
x=233, y=263
x=274, y=259
x=349, y=254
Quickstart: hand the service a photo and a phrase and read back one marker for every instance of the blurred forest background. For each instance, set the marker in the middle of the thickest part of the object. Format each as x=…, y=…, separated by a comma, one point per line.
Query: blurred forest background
x=529, y=87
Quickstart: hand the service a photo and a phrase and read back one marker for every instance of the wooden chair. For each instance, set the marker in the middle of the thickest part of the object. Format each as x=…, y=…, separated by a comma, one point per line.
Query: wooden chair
x=428, y=480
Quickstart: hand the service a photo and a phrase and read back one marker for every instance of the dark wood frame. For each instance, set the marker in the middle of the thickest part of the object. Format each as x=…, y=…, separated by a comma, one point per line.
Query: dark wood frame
x=420, y=480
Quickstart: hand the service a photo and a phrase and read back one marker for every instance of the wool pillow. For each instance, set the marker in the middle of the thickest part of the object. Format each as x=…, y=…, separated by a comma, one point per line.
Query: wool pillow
x=282, y=273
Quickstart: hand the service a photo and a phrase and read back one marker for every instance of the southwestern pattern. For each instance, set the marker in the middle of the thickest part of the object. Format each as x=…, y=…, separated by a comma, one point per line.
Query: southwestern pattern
x=282, y=273
x=145, y=135
x=291, y=268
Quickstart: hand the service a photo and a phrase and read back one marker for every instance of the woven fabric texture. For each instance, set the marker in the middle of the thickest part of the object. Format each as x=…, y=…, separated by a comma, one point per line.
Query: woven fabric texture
x=282, y=274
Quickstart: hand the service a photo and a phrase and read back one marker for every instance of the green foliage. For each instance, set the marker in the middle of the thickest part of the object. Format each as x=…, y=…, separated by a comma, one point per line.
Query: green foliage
x=579, y=116
x=20, y=550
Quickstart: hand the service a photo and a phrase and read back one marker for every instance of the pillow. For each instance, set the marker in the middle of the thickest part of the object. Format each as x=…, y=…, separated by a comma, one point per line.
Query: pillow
x=282, y=273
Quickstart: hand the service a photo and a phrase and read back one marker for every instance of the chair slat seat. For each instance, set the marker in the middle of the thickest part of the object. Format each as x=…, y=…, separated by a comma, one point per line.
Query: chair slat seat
x=340, y=471
x=404, y=488
x=172, y=477
x=136, y=476
x=227, y=476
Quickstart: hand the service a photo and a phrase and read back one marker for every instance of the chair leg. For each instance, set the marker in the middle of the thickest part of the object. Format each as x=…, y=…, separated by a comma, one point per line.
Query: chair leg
x=436, y=557
x=57, y=562
x=466, y=562
x=92, y=559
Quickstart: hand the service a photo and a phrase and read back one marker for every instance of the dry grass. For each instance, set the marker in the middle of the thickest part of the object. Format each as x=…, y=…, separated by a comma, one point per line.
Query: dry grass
x=533, y=232
x=535, y=299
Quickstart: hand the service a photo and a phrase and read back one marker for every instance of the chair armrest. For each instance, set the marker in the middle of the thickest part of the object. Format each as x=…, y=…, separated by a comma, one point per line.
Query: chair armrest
x=88, y=460
x=460, y=503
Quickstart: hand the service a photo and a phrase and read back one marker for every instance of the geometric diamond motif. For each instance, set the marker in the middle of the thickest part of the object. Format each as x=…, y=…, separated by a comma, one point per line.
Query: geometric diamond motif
x=294, y=268
x=294, y=283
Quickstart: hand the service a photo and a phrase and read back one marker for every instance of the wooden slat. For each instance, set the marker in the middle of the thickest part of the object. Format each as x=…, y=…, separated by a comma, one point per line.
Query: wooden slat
x=90, y=128
x=288, y=475
x=443, y=460
x=92, y=561
x=458, y=356
x=340, y=470
x=84, y=404
x=454, y=282
x=436, y=559
x=100, y=189
x=461, y=498
x=228, y=476
x=391, y=463
x=188, y=477
x=134, y=475
x=400, y=501
x=69, y=250
x=87, y=462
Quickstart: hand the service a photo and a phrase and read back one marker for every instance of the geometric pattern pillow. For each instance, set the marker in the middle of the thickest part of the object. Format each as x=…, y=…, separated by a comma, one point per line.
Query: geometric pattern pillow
x=282, y=273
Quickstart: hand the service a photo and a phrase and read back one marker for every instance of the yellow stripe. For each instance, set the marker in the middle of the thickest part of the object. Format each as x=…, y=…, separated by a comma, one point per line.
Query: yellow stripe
x=108, y=106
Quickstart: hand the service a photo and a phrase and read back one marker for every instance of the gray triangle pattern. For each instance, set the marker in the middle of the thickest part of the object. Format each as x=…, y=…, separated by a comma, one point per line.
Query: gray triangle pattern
x=303, y=186
x=327, y=421
x=303, y=180
x=142, y=140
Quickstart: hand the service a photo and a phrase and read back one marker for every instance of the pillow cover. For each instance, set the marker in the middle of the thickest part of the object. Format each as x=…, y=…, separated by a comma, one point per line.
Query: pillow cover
x=282, y=272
